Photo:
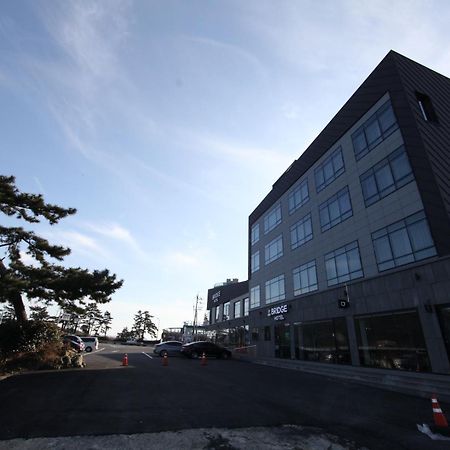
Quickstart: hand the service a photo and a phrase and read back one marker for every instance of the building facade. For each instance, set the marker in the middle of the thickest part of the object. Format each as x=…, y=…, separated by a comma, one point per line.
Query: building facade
x=349, y=253
x=228, y=307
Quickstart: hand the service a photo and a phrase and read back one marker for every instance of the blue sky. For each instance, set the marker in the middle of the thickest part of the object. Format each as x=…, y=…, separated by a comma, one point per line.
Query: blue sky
x=165, y=123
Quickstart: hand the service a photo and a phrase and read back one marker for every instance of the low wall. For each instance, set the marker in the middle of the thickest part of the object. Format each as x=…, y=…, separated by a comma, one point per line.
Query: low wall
x=418, y=384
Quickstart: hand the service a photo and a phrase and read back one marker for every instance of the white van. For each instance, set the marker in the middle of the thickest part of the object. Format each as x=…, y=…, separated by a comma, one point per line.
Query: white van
x=90, y=343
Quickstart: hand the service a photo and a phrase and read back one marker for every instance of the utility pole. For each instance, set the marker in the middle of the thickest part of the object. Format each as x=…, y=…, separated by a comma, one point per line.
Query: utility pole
x=198, y=303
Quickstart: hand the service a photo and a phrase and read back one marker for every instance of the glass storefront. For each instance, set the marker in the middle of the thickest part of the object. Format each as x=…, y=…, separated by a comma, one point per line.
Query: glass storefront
x=444, y=320
x=282, y=341
x=392, y=341
x=324, y=341
x=233, y=337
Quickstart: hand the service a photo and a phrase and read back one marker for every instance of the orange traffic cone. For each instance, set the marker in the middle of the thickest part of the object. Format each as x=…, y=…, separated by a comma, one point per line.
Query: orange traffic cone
x=165, y=360
x=125, y=360
x=439, y=418
x=203, y=363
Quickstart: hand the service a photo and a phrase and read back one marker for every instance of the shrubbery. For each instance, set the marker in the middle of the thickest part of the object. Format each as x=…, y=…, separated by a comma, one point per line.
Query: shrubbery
x=28, y=337
x=33, y=345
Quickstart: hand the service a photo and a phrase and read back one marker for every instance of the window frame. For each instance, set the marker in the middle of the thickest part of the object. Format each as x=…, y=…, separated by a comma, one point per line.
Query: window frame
x=327, y=204
x=280, y=281
x=292, y=204
x=336, y=172
x=274, y=212
x=297, y=271
x=371, y=174
x=278, y=243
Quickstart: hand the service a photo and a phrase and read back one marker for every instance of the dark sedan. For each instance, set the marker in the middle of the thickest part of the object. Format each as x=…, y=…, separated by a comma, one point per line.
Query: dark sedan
x=196, y=350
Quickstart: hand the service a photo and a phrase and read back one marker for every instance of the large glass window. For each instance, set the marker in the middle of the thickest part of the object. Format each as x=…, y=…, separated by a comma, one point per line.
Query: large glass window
x=392, y=341
x=237, y=309
x=254, y=297
x=325, y=341
x=275, y=289
x=283, y=341
x=329, y=170
x=246, y=306
x=226, y=311
x=403, y=242
x=255, y=234
x=301, y=232
x=387, y=176
x=272, y=219
x=217, y=313
x=274, y=250
x=377, y=128
x=343, y=264
x=255, y=261
x=444, y=320
x=298, y=196
x=335, y=210
x=305, y=278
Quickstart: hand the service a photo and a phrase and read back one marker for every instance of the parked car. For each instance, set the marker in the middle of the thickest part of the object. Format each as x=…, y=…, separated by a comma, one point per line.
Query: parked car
x=74, y=342
x=169, y=347
x=90, y=343
x=133, y=342
x=196, y=350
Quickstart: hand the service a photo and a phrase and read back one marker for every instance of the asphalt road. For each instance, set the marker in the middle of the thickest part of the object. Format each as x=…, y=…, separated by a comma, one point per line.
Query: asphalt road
x=106, y=398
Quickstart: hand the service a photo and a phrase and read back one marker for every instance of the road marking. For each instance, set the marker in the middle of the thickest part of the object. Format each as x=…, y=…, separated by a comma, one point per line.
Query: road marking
x=151, y=357
x=96, y=351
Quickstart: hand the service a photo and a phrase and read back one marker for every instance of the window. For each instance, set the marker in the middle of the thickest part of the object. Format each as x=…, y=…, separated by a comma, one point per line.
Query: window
x=325, y=341
x=403, y=242
x=298, y=197
x=301, y=232
x=343, y=264
x=255, y=234
x=392, y=341
x=426, y=107
x=375, y=130
x=272, y=219
x=274, y=250
x=246, y=306
x=217, y=313
x=275, y=289
x=329, y=170
x=267, y=333
x=226, y=311
x=387, y=176
x=305, y=278
x=255, y=334
x=255, y=261
x=237, y=309
x=254, y=297
x=335, y=210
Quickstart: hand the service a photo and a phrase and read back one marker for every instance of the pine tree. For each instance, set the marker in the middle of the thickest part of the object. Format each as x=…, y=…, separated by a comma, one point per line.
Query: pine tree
x=143, y=324
x=39, y=313
x=69, y=288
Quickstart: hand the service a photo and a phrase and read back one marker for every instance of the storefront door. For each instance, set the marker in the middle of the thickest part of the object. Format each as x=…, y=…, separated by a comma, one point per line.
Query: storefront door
x=283, y=341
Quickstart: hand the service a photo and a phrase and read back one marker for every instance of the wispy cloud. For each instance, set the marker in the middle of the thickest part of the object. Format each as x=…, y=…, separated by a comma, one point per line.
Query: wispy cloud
x=182, y=259
x=79, y=243
x=119, y=233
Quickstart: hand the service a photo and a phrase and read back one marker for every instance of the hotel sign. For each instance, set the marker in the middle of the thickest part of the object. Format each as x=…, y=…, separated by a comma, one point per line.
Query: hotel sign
x=216, y=297
x=277, y=312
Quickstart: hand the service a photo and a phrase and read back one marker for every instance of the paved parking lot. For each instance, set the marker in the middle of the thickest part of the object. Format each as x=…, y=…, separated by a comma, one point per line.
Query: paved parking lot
x=146, y=397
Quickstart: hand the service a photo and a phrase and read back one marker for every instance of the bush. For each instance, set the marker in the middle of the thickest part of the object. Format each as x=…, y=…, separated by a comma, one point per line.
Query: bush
x=28, y=337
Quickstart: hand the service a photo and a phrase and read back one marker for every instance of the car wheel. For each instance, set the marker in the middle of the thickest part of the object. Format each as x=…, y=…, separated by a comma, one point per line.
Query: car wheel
x=88, y=349
x=224, y=355
x=163, y=352
x=194, y=355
